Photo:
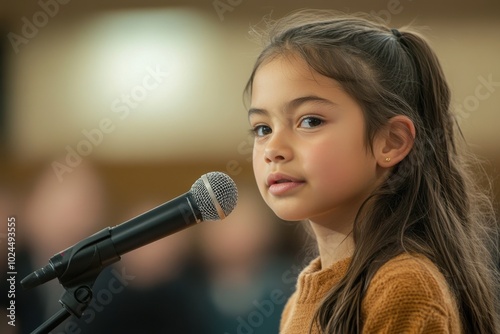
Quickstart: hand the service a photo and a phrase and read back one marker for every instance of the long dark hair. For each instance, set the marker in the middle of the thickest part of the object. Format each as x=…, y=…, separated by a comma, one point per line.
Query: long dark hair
x=430, y=204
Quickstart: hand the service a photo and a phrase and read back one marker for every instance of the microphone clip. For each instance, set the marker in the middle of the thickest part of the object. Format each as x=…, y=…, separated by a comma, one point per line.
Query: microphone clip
x=81, y=262
x=77, y=269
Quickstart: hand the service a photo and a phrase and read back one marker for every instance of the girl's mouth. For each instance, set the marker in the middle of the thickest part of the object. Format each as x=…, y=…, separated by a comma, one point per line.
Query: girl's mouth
x=279, y=184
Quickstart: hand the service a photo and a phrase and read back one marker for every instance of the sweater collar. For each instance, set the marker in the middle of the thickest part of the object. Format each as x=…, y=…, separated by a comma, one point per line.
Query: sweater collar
x=314, y=281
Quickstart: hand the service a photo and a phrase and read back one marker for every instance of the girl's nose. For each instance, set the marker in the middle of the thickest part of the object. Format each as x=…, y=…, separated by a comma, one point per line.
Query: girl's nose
x=277, y=149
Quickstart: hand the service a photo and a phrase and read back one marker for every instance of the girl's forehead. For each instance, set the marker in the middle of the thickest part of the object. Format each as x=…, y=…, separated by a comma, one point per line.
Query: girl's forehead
x=286, y=83
x=286, y=64
x=292, y=74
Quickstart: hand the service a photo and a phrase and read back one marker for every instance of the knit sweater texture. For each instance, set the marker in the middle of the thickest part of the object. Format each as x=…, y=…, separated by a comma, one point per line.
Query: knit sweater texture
x=408, y=294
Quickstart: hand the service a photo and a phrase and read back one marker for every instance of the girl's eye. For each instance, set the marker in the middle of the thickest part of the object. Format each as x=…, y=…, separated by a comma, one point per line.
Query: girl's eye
x=261, y=130
x=310, y=122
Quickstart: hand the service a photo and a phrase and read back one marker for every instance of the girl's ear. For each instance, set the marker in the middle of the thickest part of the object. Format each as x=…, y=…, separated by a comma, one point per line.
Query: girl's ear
x=394, y=141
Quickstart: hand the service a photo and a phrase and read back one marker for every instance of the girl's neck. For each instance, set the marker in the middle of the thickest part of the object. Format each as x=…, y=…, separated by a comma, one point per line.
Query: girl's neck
x=334, y=230
x=333, y=244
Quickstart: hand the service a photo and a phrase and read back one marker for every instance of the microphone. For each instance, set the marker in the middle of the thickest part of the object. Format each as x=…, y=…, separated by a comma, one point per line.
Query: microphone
x=212, y=197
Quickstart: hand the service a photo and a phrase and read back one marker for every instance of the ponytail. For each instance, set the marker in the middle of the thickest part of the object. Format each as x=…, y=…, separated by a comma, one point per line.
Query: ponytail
x=479, y=308
x=434, y=94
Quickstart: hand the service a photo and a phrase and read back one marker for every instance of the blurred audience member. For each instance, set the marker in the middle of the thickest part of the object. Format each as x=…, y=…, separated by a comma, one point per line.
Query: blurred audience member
x=57, y=215
x=245, y=282
x=152, y=292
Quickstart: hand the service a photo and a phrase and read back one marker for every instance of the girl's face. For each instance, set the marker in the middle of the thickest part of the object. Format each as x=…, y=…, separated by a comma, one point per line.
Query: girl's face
x=310, y=159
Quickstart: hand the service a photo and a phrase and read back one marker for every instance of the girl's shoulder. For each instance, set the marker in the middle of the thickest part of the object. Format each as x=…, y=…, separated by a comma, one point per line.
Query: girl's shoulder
x=408, y=270
x=410, y=274
x=410, y=291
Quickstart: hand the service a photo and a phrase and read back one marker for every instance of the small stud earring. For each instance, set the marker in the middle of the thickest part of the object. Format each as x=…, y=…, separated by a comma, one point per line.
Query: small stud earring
x=387, y=159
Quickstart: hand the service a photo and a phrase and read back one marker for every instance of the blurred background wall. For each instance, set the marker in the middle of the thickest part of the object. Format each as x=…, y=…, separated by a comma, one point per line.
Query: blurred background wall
x=158, y=85
x=151, y=91
x=148, y=96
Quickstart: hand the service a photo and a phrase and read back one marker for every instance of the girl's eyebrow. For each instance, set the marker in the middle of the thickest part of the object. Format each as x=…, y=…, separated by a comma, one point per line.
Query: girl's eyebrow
x=295, y=103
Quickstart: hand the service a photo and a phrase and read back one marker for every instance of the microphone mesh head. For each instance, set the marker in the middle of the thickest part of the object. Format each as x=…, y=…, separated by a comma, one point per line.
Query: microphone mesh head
x=225, y=192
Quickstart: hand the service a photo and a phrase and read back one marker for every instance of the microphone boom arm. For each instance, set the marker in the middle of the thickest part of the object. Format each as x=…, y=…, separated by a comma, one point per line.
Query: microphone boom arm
x=84, y=262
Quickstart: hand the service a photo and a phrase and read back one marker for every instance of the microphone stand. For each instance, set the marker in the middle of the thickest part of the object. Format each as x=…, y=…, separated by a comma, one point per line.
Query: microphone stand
x=52, y=322
x=84, y=265
x=74, y=301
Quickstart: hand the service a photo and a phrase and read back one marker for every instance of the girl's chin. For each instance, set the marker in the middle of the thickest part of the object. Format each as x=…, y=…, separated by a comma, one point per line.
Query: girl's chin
x=289, y=217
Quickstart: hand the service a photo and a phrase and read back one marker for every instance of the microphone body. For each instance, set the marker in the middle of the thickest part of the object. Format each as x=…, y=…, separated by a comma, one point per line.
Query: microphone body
x=166, y=219
x=85, y=260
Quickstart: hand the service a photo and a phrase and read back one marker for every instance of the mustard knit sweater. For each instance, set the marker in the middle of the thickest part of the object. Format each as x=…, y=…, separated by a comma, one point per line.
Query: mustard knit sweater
x=407, y=295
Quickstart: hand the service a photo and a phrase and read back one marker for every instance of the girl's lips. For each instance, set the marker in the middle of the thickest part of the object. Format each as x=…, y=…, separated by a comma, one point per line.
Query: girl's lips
x=280, y=184
x=278, y=189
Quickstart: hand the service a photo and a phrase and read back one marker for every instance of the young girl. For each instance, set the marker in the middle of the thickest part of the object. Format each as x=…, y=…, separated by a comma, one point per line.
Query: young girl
x=354, y=134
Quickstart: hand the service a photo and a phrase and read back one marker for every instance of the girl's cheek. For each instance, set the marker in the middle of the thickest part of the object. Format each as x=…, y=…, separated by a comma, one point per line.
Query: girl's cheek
x=257, y=154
